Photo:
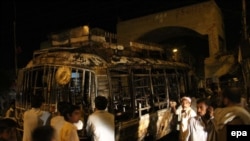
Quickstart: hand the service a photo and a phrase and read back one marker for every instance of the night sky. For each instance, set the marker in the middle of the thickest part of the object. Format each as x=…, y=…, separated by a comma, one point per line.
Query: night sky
x=34, y=20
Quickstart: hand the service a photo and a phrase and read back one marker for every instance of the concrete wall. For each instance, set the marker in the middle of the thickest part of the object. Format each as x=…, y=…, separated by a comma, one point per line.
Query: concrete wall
x=204, y=18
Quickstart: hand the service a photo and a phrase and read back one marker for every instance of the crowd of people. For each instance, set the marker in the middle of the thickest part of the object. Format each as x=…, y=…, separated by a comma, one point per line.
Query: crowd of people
x=194, y=119
x=39, y=126
x=212, y=116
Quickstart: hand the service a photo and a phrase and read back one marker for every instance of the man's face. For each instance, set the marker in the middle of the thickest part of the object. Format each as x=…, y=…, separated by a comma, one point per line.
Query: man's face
x=75, y=116
x=185, y=103
x=201, y=108
x=9, y=133
x=5, y=135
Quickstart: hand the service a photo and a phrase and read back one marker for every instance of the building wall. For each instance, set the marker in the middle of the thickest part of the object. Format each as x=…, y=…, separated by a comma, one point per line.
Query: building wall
x=204, y=18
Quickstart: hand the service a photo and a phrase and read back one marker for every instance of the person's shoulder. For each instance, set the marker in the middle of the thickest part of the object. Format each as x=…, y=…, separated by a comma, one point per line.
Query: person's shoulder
x=26, y=112
x=68, y=126
x=111, y=115
x=107, y=113
x=193, y=119
x=178, y=110
x=192, y=112
x=56, y=119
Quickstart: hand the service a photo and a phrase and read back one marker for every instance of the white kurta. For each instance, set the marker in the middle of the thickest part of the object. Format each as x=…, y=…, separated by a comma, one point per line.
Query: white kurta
x=183, y=117
x=101, y=126
x=31, y=120
x=196, y=130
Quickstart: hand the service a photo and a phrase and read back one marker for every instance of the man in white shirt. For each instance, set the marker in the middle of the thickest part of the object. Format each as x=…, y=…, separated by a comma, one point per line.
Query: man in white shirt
x=100, y=124
x=201, y=127
x=184, y=112
x=33, y=117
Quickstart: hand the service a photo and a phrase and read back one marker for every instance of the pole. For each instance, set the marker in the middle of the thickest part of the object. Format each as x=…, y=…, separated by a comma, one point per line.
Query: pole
x=244, y=11
x=245, y=63
x=14, y=30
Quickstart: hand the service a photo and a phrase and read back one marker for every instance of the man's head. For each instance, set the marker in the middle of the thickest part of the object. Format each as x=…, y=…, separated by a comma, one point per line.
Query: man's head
x=72, y=113
x=202, y=106
x=231, y=95
x=185, y=102
x=101, y=102
x=7, y=128
x=44, y=133
x=37, y=101
x=61, y=106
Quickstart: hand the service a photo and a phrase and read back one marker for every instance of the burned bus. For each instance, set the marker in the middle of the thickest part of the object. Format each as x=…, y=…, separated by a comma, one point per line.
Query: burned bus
x=137, y=80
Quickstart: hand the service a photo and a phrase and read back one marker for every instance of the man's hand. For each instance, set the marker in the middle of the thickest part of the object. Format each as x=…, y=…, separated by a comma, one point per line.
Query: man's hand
x=172, y=104
x=210, y=111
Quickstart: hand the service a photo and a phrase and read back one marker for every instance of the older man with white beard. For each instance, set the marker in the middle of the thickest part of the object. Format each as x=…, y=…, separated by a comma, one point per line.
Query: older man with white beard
x=184, y=112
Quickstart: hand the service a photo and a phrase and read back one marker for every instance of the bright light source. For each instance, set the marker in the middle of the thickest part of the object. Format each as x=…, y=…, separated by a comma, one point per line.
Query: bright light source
x=120, y=47
x=86, y=29
x=235, y=79
x=175, y=50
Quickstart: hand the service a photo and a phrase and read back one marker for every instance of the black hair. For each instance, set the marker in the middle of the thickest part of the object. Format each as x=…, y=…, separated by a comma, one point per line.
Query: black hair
x=43, y=133
x=61, y=106
x=7, y=123
x=101, y=102
x=69, y=109
x=204, y=100
x=232, y=93
x=37, y=101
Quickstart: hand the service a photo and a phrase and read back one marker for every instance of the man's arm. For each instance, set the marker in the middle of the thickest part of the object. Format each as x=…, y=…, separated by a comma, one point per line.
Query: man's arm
x=189, y=130
x=89, y=126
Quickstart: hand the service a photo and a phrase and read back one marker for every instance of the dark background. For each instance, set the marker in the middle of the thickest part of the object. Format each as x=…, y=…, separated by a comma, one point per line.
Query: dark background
x=31, y=21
